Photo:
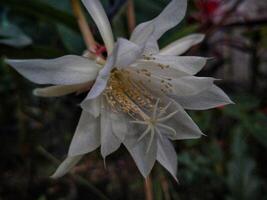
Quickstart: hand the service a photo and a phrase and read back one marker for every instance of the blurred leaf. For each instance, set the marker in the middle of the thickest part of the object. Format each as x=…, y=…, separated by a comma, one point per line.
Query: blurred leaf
x=241, y=180
x=12, y=35
x=157, y=189
x=244, y=103
x=72, y=41
x=177, y=33
x=42, y=11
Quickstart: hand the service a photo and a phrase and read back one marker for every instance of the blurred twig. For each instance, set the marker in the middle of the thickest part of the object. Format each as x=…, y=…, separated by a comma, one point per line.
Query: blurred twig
x=148, y=188
x=131, y=16
x=224, y=18
x=83, y=25
x=250, y=23
x=76, y=177
x=114, y=7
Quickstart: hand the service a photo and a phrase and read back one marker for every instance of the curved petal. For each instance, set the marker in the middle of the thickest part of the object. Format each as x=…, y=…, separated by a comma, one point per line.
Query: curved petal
x=109, y=142
x=66, y=70
x=190, y=85
x=210, y=98
x=188, y=64
x=86, y=137
x=182, y=123
x=92, y=106
x=181, y=86
x=66, y=166
x=59, y=90
x=143, y=159
x=167, y=156
x=119, y=125
x=97, y=12
x=168, y=18
x=183, y=65
x=182, y=45
x=124, y=54
x=151, y=46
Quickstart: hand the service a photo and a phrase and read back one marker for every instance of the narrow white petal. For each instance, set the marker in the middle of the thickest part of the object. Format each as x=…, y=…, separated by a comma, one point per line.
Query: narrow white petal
x=138, y=148
x=168, y=18
x=66, y=70
x=182, y=45
x=109, y=142
x=86, y=137
x=59, y=90
x=182, y=123
x=190, y=85
x=127, y=53
x=151, y=46
x=148, y=129
x=210, y=98
x=168, y=128
x=97, y=12
x=167, y=156
x=92, y=106
x=124, y=54
x=66, y=166
x=143, y=159
x=188, y=64
x=119, y=125
x=156, y=69
x=181, y=86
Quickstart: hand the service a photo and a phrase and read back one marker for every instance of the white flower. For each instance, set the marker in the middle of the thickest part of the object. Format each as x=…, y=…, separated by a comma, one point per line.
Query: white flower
x=138, y=97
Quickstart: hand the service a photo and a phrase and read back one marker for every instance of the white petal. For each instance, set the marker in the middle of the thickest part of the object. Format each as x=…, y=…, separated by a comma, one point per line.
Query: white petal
x=97, y=12
x=127, y=53
x=124, y=54
x=157, y=69
x=151, y=46
x=59, y=90
x=86, y=137
x=65, y=70
x=188, y=64
x=210, y=98
x=182, y=86
x=119, y=125
x=138, y=150
x=167, y=156
x=168, y=18
x=184, y=126
x=109, y=142
x=92, y=106
x=182, y=45
x=66, y=166
x=190, y=85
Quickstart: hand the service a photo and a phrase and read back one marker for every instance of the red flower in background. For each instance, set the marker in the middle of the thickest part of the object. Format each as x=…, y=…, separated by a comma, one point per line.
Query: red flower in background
x=207, y=10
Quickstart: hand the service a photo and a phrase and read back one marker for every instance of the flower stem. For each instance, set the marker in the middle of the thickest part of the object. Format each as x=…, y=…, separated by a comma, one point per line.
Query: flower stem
x=148, y=188
x=131, y=16
x=83, y=25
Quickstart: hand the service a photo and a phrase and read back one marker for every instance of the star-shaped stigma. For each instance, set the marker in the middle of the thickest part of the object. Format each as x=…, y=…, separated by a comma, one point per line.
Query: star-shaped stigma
x=155, y=123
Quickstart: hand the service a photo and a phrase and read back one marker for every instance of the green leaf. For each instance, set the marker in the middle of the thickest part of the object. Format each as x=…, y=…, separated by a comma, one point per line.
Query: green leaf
x=42, y=11
x=241, y=180
x=13, y=36
x=72, y=41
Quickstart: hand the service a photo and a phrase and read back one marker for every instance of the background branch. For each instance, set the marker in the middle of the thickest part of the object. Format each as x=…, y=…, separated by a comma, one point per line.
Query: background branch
x=83, y=25
x=131, y=16
x=148, y=188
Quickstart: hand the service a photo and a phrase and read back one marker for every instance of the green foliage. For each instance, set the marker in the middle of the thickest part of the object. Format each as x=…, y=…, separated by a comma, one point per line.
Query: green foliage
x=241, y=180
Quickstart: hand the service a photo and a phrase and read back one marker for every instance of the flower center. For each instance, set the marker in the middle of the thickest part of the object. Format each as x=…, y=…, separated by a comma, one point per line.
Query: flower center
x=127, y=95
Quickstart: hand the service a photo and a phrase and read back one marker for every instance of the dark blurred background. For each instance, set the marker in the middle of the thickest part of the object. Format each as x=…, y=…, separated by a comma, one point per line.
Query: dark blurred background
x=229, y=164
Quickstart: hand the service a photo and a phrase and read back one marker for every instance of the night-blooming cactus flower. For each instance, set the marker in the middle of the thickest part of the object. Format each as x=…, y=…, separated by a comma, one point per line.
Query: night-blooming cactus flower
x=137, y=98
